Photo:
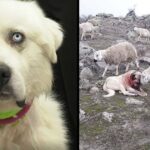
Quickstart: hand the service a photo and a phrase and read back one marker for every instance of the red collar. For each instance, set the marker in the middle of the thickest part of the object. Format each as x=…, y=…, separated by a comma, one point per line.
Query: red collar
x=18, y=116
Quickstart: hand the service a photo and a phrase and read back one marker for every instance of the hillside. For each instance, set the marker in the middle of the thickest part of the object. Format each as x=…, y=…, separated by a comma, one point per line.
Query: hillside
x=120, y=122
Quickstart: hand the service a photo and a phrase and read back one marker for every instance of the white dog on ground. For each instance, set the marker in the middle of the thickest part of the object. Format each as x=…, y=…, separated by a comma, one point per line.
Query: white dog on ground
x=128, y=83
x=28, y=44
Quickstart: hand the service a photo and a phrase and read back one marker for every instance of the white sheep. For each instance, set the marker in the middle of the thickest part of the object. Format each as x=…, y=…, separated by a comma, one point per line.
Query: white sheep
x=87, y=28
x=94, y=21
x=142, y=33
x=116, y=54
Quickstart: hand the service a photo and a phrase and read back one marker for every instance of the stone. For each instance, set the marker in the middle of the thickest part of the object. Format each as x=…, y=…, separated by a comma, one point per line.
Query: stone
x=94, y=90
x=86, y=73
x=107, y=116
x=133, y=101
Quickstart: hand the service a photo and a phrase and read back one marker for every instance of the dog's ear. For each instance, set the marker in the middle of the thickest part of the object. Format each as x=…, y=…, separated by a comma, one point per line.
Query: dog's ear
x=51, y=38
x=55, y=33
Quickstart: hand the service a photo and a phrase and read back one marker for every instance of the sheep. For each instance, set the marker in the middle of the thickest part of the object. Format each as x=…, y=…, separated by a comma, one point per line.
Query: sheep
x=142, y=33
x=116, y=54
x=94, y=21
x=87, y=27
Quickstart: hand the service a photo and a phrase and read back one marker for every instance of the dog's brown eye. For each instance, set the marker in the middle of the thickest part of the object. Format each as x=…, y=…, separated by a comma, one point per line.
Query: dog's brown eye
x=17, y=37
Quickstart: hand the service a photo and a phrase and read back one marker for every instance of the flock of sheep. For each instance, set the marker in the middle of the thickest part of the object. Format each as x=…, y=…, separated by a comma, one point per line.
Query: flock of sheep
x=88, y=28
x=123, y=52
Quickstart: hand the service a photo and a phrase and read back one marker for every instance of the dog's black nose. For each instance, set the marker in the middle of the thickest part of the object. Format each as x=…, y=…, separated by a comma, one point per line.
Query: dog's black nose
x=95, y=60
x=5, y=75
x=21, y=103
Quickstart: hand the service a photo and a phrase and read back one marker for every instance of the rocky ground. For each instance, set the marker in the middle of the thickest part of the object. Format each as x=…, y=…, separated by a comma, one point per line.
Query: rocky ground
x=120, y=122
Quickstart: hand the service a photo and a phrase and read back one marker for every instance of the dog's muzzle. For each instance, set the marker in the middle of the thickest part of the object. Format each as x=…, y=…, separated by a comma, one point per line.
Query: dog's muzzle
x=5, y=91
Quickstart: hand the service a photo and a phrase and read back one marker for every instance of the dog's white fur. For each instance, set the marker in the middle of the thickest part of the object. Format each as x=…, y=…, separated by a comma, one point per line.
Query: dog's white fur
x=43, y=127
x=118, y=83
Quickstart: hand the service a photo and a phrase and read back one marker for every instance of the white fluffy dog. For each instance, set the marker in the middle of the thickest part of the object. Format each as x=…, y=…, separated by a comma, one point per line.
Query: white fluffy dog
x=28, y=43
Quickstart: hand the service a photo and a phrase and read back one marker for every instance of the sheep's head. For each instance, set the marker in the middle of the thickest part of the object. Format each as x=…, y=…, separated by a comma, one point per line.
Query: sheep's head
x=98, y=56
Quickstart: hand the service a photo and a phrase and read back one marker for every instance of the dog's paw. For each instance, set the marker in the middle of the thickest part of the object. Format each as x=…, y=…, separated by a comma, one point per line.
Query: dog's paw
x=143, y=94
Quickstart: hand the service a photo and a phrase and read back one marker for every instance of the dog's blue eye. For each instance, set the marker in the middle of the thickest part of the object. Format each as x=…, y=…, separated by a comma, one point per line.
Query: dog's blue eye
x=17, y=37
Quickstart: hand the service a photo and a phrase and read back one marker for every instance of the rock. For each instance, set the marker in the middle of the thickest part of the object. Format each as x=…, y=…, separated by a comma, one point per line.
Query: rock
x=120, y=40
x=131, y=35
x=142, y=50
x=145, y=110
x=100, y=83
x=147, y=21
x=86, y=73
x=81, y=65
x=85, y=84
x=131, y=16
x=133, y=101
x=85, y=50
x=82, y=114
x=146, y=59
x=107, y=116
x=102, y=64
x=94, y=90
x=103, y=15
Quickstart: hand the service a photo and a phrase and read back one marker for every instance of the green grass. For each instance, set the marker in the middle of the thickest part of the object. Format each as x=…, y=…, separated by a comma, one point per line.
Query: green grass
x=91, y=130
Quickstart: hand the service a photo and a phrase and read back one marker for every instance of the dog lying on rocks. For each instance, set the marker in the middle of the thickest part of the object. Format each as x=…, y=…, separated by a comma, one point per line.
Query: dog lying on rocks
x=128, y=83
